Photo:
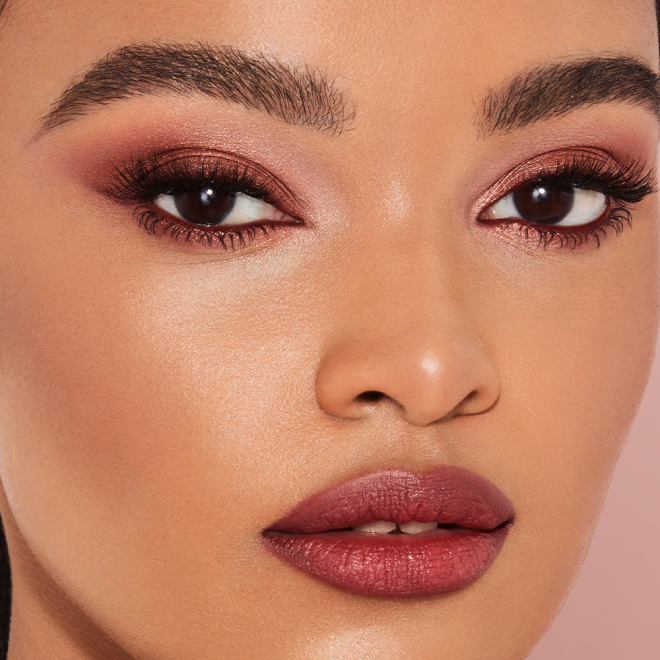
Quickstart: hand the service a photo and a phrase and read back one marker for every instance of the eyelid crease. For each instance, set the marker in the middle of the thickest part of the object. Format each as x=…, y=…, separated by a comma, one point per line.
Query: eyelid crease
x=141, y=179
x=624, y=184
x=144, y=177
x=588, y=166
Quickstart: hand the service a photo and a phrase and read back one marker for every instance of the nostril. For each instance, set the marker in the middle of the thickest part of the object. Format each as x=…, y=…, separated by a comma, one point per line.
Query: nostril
x=371, y=396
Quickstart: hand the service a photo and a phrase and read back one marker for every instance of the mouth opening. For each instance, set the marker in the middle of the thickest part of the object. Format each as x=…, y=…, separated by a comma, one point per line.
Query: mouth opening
x=397, y=533
x=389, y=528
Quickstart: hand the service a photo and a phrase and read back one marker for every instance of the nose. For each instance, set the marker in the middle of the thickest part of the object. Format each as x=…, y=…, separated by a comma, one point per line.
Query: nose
x=404, y=342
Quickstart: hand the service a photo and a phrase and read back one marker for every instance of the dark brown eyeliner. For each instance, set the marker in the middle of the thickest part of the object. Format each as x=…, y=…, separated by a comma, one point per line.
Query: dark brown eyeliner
x=141, y=179
x=623, y=184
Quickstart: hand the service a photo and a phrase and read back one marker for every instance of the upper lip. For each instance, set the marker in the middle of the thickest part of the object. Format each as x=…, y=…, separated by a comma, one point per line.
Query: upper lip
x=448, y=495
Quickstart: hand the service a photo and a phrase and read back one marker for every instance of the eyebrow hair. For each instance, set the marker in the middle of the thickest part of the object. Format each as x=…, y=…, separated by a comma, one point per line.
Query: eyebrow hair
x=300, y=96
x=3, y=6
x=553, y=90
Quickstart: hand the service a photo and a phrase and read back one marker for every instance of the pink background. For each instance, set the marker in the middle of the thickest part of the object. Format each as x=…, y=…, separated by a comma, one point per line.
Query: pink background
x=614, y=609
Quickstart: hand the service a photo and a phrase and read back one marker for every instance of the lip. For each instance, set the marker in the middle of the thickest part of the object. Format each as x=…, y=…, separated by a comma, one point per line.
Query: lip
x=477, y=516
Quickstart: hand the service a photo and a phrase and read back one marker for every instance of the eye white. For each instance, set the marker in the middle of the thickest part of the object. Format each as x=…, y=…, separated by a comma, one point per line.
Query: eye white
x=246, y=209
x=588, y=205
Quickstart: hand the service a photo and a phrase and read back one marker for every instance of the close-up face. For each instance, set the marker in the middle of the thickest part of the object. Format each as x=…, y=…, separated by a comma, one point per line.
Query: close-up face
x=322, y=324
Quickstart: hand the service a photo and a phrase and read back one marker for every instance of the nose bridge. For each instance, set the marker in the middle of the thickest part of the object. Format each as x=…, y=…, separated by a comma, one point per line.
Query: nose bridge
x=403, y=291
x=403, y=267
x=401, y=333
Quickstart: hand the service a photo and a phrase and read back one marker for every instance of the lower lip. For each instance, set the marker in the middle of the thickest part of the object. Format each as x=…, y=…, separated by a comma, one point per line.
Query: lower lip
x=395, y=565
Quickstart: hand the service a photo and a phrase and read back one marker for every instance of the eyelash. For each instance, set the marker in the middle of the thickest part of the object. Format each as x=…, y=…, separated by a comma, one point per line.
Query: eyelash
x=622, y=184
x=141, y=180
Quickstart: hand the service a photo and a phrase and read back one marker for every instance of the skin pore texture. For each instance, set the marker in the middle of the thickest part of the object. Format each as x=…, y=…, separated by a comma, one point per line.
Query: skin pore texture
x=167, y=396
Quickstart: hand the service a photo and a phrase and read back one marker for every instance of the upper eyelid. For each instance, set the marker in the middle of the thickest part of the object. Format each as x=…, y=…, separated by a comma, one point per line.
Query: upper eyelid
x=125, y=174
x=540, y=166
x=289, y=202
x=515, y=178
x=624, y=182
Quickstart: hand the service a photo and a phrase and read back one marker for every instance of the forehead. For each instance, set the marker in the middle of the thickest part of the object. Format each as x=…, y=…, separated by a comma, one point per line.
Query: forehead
x=458, y=35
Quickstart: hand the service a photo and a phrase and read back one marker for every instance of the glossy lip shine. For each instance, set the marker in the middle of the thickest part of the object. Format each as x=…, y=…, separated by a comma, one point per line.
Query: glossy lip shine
x=475, y=518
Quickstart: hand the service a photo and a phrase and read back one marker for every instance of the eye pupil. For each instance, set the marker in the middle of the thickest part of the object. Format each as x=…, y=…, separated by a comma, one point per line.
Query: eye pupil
x=205, y=206
x=544, y=204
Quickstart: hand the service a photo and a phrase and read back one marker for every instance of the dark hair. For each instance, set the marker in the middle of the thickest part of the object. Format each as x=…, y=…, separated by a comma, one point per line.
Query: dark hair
x=5, y=594
x=5, y=572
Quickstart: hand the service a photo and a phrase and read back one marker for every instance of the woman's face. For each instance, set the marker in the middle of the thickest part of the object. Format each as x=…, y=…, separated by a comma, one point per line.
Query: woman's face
x=281, y=246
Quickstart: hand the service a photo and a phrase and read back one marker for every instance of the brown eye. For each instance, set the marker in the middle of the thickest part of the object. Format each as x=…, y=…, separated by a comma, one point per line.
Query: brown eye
x=544, y=204
x=205, y=206
x=209, y=207
x=548, y=204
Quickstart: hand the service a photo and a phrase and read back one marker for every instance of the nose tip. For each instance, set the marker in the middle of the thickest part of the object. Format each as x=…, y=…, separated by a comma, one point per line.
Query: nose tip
x=422, y=385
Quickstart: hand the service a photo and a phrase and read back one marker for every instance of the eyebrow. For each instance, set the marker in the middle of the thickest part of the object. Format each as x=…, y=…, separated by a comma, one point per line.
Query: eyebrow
x=301, y=96
x=554, y=90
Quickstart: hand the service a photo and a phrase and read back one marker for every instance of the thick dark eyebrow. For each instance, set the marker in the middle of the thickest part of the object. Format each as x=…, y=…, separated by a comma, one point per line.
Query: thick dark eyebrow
x=554, y=90
x=301, y=96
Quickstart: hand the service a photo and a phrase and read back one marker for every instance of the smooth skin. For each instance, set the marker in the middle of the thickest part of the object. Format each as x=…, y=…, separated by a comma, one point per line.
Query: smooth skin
x=163, y=403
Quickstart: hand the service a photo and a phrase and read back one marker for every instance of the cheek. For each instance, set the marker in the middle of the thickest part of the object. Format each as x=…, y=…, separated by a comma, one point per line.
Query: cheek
x=149, y=405
x=575, y=346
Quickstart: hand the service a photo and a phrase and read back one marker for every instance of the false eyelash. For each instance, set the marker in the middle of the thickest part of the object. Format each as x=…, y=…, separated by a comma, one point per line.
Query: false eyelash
x=230, y=239
x=617, y=218
x=143, y=179
x=623, y=184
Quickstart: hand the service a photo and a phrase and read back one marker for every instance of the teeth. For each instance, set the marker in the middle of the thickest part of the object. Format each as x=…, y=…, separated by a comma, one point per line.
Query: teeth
x=378, y=527
x=384, y=527
x=414, y=527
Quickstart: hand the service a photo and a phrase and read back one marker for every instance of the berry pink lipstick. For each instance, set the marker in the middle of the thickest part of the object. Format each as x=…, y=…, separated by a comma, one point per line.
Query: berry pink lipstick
x=464, y=520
